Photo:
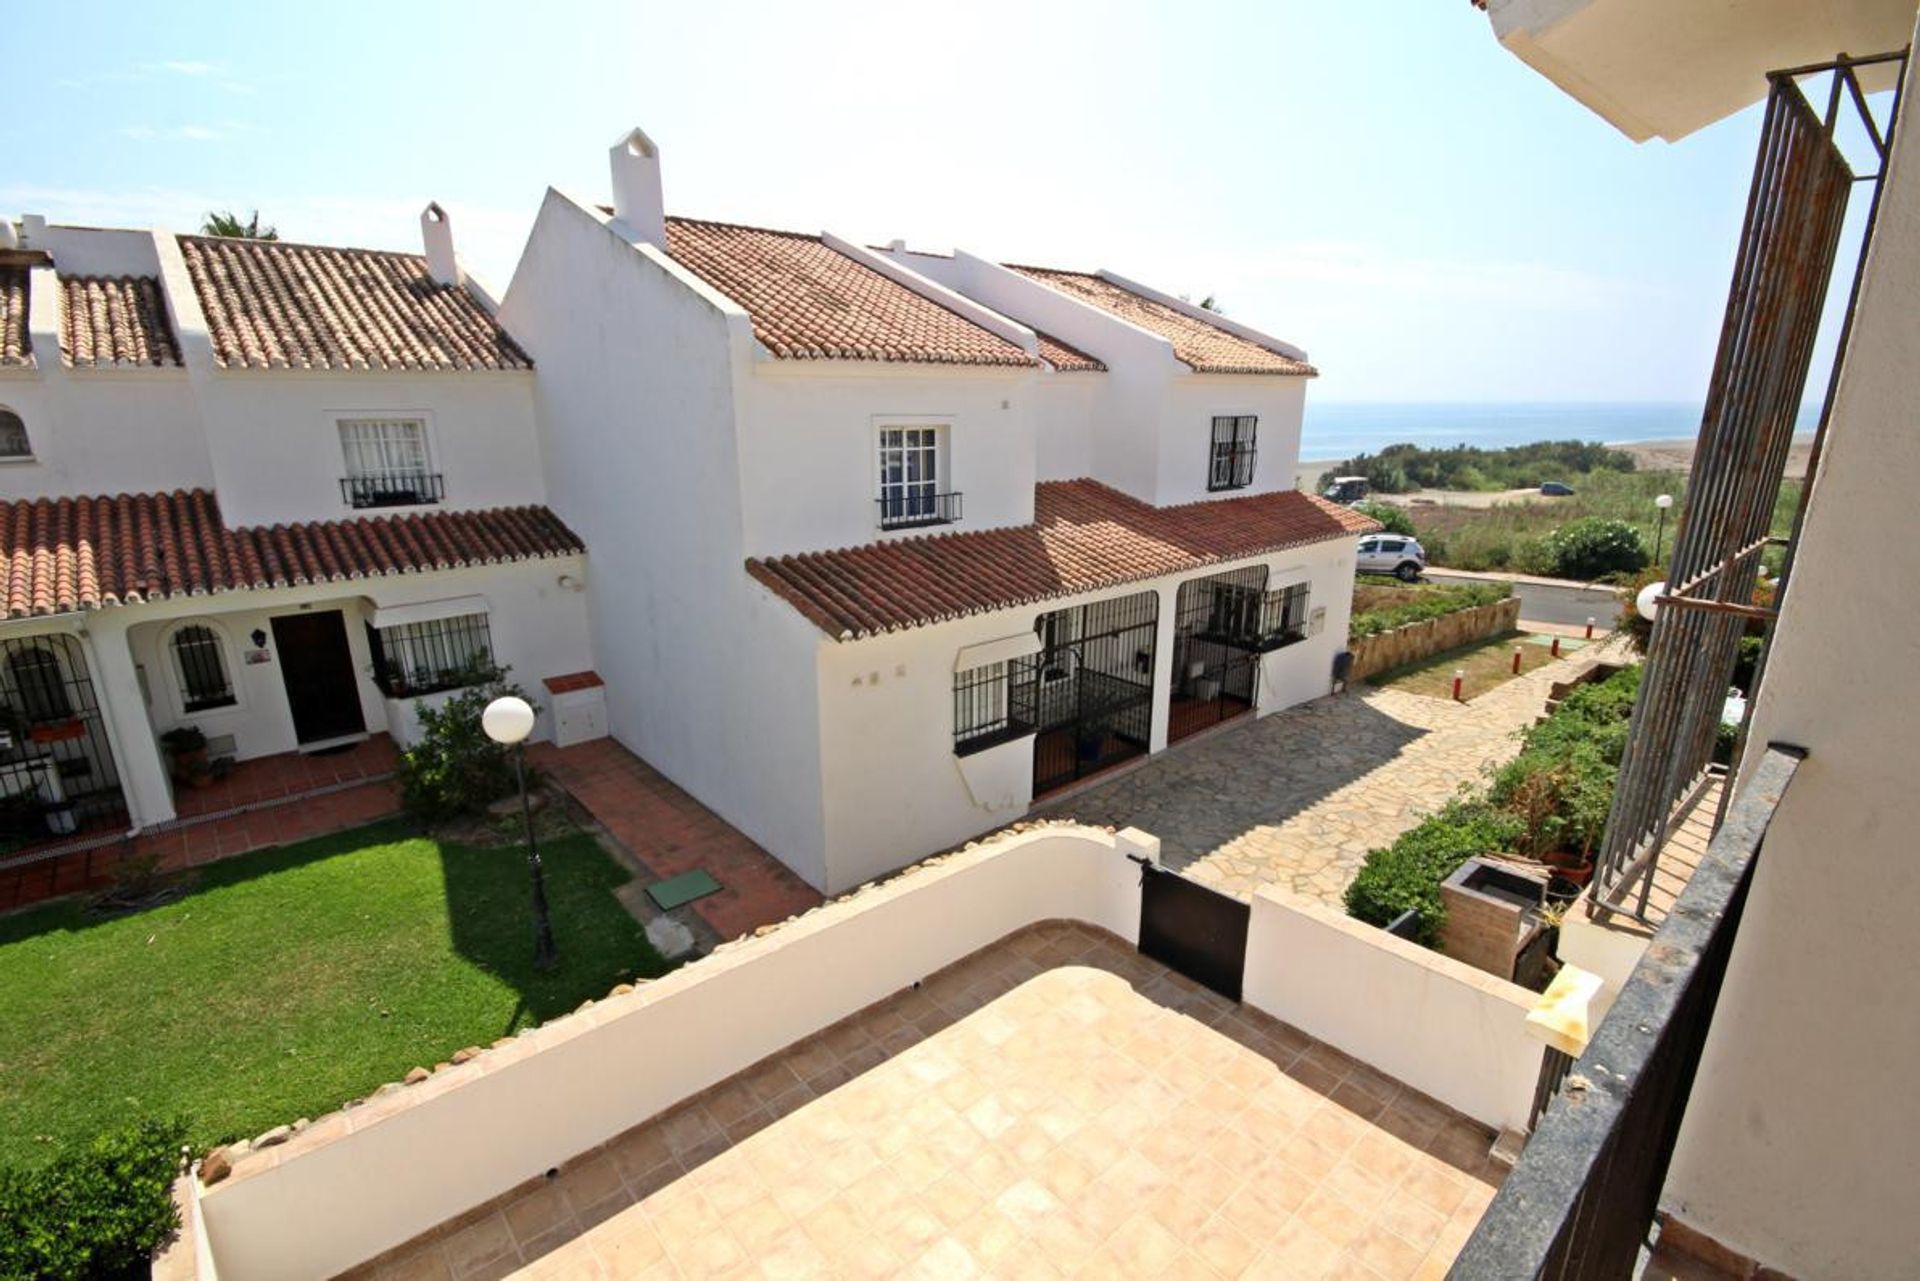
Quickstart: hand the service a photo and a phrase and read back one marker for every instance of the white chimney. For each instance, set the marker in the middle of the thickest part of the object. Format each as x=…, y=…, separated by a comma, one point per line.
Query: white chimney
x=33, y=229
x=9, y=238
x=636, y=187
x=436, y=229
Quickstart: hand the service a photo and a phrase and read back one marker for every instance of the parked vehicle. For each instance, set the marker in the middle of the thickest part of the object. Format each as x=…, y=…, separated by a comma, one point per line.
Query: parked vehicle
x=1348, y=489
x=1394, y=554
x=1556, y=489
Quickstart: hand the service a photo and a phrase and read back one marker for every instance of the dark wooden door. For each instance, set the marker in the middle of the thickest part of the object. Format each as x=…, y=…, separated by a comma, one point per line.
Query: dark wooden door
x=317, y=667
x=1196, y=931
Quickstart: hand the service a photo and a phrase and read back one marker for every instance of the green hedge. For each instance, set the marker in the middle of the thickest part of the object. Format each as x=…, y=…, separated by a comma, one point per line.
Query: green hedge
x=1432, y=602
x=1407, y=874
x=1553, y=796
x=100, y=1212
x=1395, y=519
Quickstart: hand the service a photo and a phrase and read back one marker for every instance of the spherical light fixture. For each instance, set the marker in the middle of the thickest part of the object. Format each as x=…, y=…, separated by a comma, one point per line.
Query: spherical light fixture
x=1646, y=602
x=1663, y=502
x=507, y=720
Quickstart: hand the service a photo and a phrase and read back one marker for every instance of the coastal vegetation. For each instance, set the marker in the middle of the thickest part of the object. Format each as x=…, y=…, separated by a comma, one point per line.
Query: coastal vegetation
x=1400, y=469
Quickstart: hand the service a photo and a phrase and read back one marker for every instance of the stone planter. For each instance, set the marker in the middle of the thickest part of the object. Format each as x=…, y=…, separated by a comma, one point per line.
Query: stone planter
x=1431, y=636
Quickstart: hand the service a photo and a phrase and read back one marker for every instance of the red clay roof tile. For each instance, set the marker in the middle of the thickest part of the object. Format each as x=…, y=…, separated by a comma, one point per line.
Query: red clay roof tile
x=1085, y=536
x=1208, y=348
x=274, y=305
x=115, y=320
x=811, y=302
x=1062, y=356
x=58, y=555
x=16, y=340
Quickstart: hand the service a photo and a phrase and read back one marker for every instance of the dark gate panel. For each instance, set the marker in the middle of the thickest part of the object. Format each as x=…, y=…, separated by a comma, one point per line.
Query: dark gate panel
x=1193, y=930
x=1089, y=691
x=56, y=769
x=1216, y=634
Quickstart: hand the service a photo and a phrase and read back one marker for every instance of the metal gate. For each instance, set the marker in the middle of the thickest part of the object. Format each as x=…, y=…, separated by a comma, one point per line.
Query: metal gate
x=1089, y=691
x=1216, y=663
x=1193, y=930
x=56, y=768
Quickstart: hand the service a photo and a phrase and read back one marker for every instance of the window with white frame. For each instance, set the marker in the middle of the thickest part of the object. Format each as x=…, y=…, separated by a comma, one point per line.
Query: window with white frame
x=1230, y=464
x=981, y=715
x=13, y=435
x=387, y=463
x=912, y=472
x=1286, y=614
x=410, y=659
x=200, y=666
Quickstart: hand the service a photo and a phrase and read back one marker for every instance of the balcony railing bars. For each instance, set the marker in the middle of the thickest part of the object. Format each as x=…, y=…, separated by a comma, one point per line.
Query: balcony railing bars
x=1786, y=258
x=393, y=489
x=1582, y=1198
x=911, y=510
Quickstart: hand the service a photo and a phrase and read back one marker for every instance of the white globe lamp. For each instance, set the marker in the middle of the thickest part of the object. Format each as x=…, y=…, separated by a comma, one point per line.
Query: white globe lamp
x=507, y=720
x=1646, y=603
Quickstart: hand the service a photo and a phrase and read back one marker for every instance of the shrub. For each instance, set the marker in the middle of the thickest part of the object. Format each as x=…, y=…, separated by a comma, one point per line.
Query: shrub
x=99, y=1212
x=454, y=768
x=1594, y=545
x=1394, y=518
x=1407, y=874
x=1429, y=602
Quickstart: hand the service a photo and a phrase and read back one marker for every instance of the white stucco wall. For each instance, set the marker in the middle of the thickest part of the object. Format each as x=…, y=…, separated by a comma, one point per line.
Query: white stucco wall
x=809, y=446
x=275, y=442
x=538, y=628
x=1797, y=1143
x=709, y=678
x=1184, y=443
x=895, y=791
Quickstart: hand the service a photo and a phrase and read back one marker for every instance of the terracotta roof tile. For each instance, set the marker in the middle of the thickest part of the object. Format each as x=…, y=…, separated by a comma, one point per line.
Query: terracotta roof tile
x=1207, y=348
x=1085, y=536
x=115, y=320
x=811, y=302
x=1062, y=356
x=274, y=305
x=16, y=340
x=58, y=555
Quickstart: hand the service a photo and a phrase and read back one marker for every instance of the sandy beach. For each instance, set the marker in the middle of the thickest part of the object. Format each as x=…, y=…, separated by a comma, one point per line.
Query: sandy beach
x=1648, y=455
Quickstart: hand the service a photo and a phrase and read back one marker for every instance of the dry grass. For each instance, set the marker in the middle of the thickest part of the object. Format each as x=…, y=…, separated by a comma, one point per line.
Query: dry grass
x=1486, y=665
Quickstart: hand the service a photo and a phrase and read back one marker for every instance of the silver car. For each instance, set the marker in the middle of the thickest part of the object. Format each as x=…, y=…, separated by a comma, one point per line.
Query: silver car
x=1394, y=554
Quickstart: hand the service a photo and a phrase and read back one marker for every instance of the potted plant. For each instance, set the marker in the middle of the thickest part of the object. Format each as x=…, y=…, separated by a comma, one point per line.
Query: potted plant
x=187, y=755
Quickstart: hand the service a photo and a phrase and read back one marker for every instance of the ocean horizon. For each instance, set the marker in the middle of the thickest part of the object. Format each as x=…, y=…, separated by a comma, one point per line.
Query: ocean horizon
x=1335, y=430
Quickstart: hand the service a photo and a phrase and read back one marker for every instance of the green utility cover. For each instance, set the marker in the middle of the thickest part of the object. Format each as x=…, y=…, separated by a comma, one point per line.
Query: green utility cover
x=682, y=889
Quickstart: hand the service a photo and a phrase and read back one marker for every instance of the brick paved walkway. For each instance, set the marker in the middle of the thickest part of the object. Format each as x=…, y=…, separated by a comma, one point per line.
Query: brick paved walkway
x=669, y=832
x=1300, y=797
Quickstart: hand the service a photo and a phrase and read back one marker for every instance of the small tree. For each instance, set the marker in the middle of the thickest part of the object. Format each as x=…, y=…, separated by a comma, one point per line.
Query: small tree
x=227, y=223
x=454, y=768
x=1394, y=518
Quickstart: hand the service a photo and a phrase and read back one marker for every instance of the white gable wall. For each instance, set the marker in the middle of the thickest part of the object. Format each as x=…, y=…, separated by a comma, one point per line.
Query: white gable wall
x=709, y=677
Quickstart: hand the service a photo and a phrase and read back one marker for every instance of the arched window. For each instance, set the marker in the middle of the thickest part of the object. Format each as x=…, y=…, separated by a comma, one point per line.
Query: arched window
x=200, y=660
x=13, y=435
x=38, y=684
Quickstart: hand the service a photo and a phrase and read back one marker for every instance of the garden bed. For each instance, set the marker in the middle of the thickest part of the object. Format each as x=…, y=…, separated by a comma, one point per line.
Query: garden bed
x=1484, y=665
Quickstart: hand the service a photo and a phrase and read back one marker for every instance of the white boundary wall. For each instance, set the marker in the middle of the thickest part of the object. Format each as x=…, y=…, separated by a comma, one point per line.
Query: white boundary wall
x=1442, y=1027
x=417, y=1157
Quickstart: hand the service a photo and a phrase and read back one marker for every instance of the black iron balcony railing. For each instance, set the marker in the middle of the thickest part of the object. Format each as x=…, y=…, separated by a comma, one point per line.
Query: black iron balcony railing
x=409, y=489
x=1582, y=1198
x=912, y=510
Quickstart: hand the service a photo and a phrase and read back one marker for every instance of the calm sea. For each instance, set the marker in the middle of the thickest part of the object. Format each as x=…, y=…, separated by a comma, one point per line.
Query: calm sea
x=1335, y=430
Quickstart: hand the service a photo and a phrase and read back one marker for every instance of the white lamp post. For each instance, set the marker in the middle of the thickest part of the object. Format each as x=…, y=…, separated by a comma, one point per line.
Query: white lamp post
x=1660, y=535
x=1644, y=603
x=507, y=721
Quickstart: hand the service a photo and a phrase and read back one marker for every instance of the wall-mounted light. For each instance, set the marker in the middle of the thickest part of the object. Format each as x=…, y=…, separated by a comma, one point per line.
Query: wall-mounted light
x=259, y=638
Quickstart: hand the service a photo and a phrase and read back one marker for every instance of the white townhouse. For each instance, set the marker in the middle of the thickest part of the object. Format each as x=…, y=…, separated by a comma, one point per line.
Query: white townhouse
x=887, y=544
x=278, y=492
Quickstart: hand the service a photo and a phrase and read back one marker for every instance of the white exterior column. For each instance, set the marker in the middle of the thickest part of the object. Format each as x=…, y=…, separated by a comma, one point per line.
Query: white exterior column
x=143, y=772
x=1163, y=674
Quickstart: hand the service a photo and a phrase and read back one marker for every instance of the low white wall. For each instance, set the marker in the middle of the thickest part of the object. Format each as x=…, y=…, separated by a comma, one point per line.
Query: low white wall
x=416, y=1158
x=1439, y=1026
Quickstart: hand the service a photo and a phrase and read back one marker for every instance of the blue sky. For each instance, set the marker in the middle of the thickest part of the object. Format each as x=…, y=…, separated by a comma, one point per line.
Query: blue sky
x=1380, y=183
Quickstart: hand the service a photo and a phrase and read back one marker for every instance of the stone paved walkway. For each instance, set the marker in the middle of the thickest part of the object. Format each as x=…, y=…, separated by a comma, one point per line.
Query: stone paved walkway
x=1300, y=797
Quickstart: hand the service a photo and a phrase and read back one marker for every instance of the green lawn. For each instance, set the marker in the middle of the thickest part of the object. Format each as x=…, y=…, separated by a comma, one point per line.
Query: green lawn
x=290, y=981
x=1484, y=665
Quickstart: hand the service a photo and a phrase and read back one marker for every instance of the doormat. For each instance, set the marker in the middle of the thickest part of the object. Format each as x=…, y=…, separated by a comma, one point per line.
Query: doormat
x=677, y=891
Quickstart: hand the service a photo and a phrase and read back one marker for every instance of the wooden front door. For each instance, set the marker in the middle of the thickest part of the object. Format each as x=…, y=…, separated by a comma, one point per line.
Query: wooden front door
x=317, y=666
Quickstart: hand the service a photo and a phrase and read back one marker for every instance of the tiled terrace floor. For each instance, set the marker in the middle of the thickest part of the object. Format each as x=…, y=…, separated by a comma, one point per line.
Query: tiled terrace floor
x=1053, y=1105
x=669, y=833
